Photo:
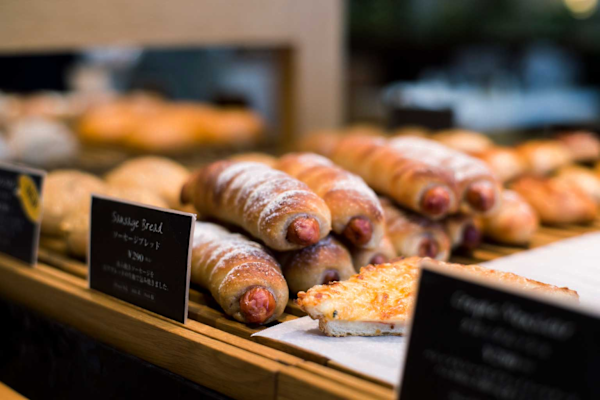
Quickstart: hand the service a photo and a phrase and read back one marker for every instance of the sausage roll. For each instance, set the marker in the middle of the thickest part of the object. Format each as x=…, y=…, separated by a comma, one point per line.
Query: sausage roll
x=414, y=183
x=478, y=190
x=159, y=175
x=379, y=255
x=323, y=262
x=556, y=201
x=355, y=210
x=240, y=274
x=464, y=232
x=584, y=146
x=462, y=140
x=269, y=204
x=514, y=223
x=414, y=235
x=63, y=191
x=506, y=163
x=544, y=156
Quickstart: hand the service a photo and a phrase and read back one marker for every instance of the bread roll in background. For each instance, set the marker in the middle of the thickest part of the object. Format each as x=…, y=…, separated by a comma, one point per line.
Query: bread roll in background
x=514, y=223
x=584, y=146
x=173, y=130
x=463, y=140
x=556, y=201
x=323, y=262
x=42, y=142
x=584, y=178
x=159, y=175
x=506, y=162
x=111, y=122
x=544, y=156
x=240, y=274
x=63, y=191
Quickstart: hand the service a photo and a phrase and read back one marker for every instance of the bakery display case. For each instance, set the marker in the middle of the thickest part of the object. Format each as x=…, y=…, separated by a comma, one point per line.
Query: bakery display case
x=177, y=248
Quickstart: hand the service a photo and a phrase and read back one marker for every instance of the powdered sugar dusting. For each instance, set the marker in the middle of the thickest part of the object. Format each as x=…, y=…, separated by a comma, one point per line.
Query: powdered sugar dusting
x=266, y=192
x=462, y=166
x=280, y=205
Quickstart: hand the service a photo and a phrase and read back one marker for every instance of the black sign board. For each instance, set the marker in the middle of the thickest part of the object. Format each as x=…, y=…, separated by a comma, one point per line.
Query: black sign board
x=20, y=211
x=472, y=341
x=141, y=254
x=431, y=119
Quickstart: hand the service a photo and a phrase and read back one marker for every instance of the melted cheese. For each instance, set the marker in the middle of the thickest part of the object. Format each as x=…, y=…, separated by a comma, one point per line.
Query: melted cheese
x=386, y=292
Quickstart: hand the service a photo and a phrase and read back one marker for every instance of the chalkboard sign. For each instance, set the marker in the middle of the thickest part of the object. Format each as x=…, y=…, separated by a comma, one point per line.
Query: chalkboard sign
x=430, y=119
x=141, y=254
x=472, y=341
x=20, y=211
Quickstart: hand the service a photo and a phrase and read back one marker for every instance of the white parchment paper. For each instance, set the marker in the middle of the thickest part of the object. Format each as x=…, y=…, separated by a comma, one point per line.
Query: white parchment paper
x=379, y=357
x=574, y=263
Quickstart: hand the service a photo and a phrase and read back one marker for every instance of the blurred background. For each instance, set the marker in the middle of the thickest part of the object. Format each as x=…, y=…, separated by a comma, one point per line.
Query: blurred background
x=496, y=66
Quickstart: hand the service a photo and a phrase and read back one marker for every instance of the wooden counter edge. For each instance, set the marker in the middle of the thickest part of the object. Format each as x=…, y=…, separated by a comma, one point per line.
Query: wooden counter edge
x=232, y=371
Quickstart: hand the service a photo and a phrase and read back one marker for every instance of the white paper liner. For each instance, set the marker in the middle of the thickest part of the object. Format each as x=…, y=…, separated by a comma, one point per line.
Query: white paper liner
x=574, y=263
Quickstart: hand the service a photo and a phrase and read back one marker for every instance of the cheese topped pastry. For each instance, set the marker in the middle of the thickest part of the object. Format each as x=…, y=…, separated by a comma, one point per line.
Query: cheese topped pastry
x=378, y=300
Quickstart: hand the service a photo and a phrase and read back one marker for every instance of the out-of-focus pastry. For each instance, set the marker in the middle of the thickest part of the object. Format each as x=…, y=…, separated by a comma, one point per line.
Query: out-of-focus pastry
x=505, y=162
x=63, y=191
x=556, y=201
x=544, y=156
x=156, y=174
x=231, y=127
x=584, y=146
x=112, y=122
x=415, y=235
x=463, y=140
x=464, y=232
x=171, y=130
x=42, y=142
x=584, y=178
x=514, y=223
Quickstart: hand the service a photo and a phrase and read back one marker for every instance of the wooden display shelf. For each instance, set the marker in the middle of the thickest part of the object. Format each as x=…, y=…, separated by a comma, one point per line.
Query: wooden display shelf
x=211, y=349
x=307, y=37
